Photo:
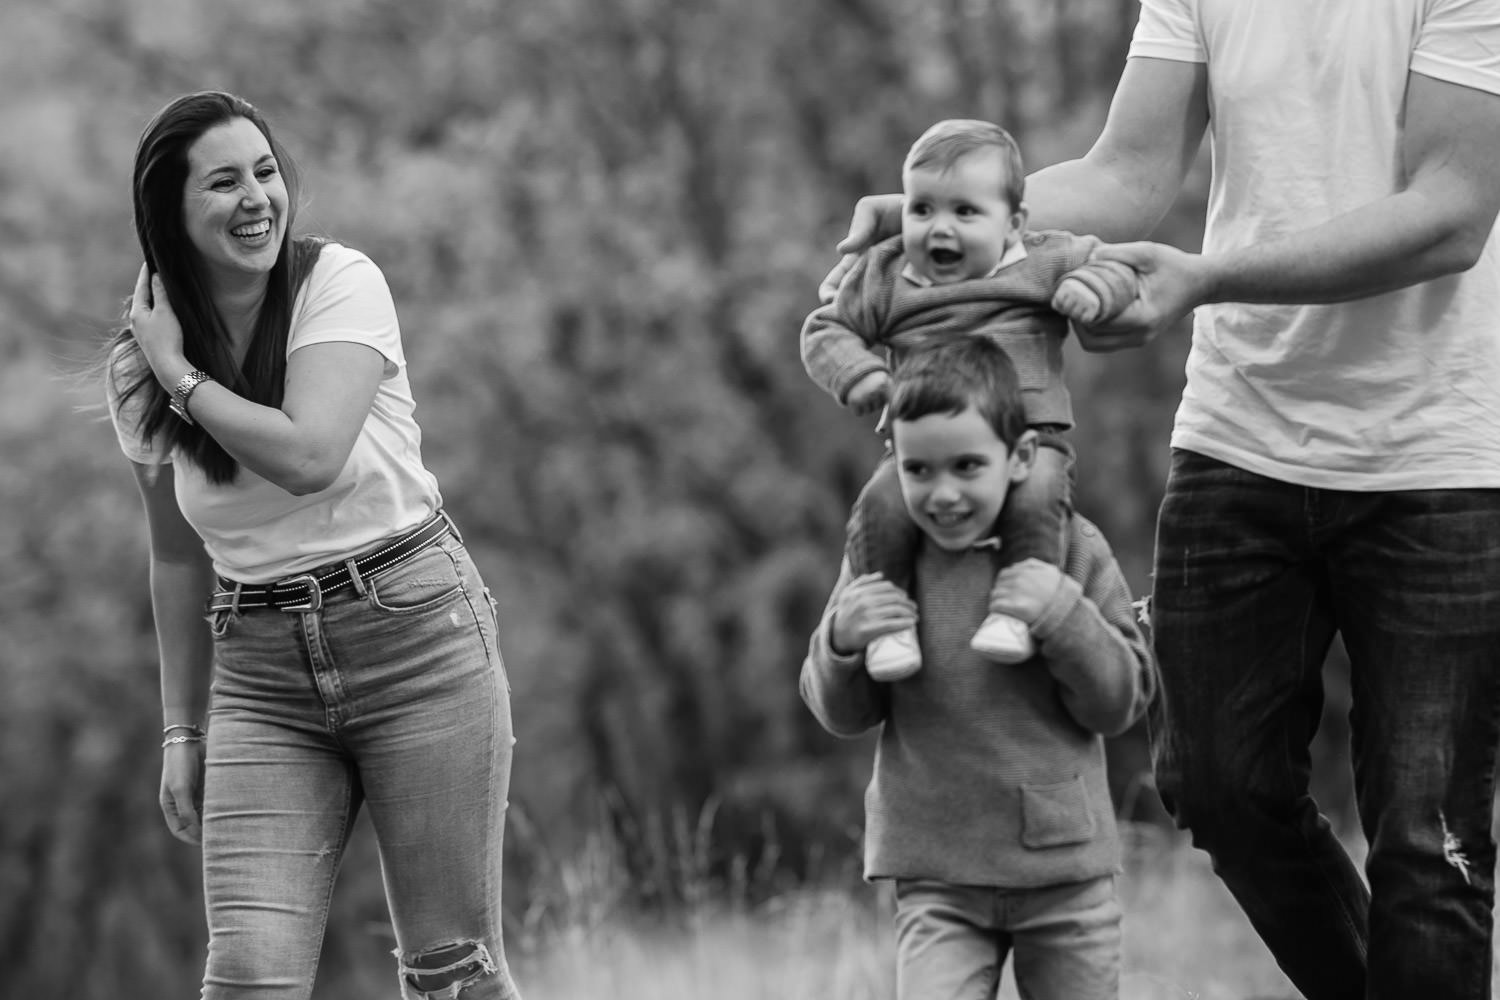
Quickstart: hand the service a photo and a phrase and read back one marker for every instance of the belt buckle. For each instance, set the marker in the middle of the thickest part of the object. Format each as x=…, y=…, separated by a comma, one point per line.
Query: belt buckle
x=315, y=593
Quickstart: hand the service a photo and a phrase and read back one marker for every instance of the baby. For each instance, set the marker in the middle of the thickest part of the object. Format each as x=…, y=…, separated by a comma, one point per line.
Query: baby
x=964, y=265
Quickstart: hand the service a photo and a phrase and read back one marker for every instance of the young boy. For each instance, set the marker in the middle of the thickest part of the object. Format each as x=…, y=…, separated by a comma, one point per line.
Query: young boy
x=963, y=264
x=988, y=805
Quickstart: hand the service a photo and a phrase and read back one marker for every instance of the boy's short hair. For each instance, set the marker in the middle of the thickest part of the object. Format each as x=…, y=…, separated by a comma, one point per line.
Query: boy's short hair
x=948, y=378
x=945, y=143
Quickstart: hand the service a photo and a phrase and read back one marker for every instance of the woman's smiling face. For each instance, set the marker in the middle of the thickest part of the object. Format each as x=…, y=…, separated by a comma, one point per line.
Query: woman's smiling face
x=234, y=202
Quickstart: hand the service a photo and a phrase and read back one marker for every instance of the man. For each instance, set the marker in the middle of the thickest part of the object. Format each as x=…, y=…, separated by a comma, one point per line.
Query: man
x=1336, y=460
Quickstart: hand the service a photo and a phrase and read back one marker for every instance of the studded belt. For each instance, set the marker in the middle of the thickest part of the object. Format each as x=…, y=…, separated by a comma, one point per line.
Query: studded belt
x=305, y=591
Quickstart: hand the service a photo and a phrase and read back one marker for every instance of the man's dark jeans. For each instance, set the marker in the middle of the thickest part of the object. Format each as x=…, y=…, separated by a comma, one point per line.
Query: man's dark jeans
x=1253, y=578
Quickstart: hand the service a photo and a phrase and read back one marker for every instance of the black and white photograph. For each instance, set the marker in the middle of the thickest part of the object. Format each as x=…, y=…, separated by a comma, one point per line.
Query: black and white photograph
x=706, y=500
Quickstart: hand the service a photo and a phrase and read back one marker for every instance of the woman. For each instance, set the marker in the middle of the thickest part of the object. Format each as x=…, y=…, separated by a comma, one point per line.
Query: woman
x=261, y=393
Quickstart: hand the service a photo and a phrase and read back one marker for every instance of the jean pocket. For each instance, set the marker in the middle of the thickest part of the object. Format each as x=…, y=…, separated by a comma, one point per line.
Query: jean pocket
x=1056, y=814
x=426, y=582
x=219, y=621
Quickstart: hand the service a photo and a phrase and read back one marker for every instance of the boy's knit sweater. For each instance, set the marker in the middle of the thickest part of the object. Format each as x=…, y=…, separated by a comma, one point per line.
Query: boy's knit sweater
x=876, y=307
x=988, y=774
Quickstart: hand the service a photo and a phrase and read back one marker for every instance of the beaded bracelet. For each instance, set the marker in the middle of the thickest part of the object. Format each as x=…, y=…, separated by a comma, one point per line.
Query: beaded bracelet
x=182, y=739
x=190, y=727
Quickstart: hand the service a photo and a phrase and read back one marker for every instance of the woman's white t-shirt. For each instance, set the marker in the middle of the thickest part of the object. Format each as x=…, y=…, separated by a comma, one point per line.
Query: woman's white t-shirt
x=1398, y=391
x=255, y=531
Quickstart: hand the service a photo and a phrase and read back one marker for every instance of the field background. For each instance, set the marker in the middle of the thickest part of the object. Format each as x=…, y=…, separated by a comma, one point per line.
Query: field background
x=603, y=224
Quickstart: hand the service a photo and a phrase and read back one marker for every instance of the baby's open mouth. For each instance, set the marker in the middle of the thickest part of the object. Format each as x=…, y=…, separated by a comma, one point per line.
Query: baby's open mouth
x=943, y=257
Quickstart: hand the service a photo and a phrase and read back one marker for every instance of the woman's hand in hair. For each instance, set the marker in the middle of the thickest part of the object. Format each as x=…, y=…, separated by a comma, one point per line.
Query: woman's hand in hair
x=156, y=329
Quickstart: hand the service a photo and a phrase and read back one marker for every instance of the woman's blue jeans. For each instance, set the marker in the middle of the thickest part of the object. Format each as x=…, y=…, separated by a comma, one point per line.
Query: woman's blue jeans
x=391, y=695
x=1253, y=578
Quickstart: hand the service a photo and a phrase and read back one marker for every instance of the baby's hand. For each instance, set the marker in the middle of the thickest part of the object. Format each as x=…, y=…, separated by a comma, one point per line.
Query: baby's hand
x=1024, y=590
x=1077, y=301
x=870, y=393
x=869, y=606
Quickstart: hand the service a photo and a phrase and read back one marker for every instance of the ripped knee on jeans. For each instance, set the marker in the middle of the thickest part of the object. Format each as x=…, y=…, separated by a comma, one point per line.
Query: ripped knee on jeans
x=441, y=973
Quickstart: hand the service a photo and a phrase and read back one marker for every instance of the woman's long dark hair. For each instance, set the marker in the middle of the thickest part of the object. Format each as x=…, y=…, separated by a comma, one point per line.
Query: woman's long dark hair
x=158, y=183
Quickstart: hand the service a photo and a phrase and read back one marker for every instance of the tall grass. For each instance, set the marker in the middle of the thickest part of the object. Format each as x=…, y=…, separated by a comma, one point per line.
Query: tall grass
x=1184, y=937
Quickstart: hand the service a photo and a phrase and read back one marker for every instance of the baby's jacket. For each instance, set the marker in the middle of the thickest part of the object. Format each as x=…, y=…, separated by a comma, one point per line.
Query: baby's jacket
x=878, y=310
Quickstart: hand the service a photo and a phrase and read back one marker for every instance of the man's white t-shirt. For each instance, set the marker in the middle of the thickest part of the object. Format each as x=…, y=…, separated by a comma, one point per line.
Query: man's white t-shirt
x=1396, y=391
x=255, y=531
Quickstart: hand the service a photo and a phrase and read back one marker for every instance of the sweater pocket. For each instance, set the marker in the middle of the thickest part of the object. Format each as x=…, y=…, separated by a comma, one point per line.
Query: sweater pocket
x=1057, y=814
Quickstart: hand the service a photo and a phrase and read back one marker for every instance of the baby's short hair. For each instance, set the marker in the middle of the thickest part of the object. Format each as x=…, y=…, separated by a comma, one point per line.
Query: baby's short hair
x=945, y=143
x=948, y=378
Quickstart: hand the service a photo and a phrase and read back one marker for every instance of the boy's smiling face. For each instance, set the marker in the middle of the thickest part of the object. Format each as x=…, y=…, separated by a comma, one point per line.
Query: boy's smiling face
x=957, y=223
x=955, y=473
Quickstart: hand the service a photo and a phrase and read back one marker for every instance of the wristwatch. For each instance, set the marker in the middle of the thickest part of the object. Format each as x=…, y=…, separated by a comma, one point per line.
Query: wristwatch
x=183, y=391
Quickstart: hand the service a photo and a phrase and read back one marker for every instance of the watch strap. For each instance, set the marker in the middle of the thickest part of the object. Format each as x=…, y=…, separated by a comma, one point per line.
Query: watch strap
x=183, y=391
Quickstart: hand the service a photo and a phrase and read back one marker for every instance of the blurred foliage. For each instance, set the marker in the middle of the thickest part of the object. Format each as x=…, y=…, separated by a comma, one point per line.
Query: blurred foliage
x=603, y=224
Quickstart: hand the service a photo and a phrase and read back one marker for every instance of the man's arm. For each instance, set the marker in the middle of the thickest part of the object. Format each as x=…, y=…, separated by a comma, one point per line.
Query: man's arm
x=1436, y=225
x=1121, y=188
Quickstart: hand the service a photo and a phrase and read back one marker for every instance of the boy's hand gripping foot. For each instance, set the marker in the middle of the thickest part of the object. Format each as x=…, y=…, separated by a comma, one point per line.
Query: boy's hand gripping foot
x=893, y=656
x=1004, y=639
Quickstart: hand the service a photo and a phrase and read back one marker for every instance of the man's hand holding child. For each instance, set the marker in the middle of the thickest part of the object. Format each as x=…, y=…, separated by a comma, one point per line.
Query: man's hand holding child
x=876, y=216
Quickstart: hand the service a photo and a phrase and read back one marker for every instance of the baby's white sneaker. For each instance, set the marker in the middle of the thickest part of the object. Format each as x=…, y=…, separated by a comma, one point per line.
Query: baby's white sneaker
x=893, y=656
x=1004, y=639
